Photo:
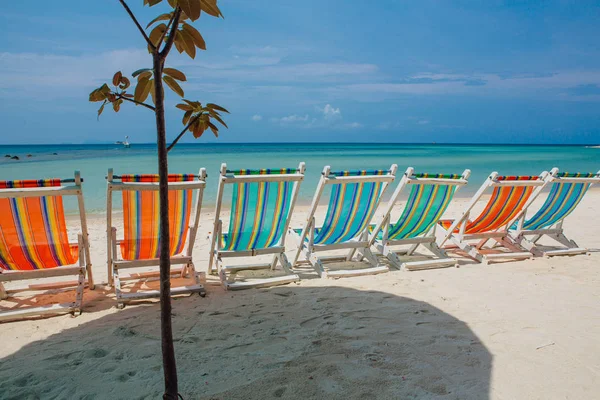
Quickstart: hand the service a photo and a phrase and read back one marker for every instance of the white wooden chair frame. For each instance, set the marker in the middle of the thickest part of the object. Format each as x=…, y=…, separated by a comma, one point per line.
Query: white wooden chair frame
x=500, y=236
x=72, y=187
x=386, y=246
x=115, y=263
x=555, y=232
x=228, y=273
x=359, y=244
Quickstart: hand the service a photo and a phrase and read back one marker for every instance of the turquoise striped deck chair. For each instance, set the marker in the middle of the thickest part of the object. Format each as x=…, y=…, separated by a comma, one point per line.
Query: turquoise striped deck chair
x=262, y=203
x=430, y=195
x=353, y=201
x=566, y=192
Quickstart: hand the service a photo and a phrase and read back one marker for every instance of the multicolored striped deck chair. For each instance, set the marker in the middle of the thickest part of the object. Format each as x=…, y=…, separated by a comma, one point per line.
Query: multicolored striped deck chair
x=566, y=191
x=353, y=201
x=261, y=207
x=141, y=224
x=429, y=197
x=34, y=242
x=510, y=197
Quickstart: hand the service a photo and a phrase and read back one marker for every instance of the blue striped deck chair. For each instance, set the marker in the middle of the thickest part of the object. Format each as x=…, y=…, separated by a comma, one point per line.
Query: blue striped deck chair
x=353, y=201
x=430, y=195
x=140, y=245
x=262, y=203
x=566, y=192
x=34, y=244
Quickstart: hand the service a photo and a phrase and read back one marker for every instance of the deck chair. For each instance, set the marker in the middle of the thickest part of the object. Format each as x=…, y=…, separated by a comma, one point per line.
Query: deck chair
x=566, y=191
x=261, y=207
x=429, y=197
x=510, y=197
x=140, y=244
x=354, y=198
x=34, y=242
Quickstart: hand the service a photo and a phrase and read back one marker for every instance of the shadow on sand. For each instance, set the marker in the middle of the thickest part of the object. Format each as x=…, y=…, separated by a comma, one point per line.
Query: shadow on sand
x=289, y=342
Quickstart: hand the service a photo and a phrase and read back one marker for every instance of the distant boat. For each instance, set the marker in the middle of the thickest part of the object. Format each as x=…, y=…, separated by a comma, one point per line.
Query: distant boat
x=126, y=142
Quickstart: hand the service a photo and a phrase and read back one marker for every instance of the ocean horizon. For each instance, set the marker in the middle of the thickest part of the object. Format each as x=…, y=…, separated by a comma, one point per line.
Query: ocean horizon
x=93, y=160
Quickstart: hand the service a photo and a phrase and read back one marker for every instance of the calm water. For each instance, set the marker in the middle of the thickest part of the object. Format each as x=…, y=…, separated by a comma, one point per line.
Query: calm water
x=94, y=160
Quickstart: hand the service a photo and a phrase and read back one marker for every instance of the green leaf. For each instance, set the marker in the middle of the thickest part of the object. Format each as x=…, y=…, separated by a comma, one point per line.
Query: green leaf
x=104, y=89
x=117, y=105
x=145, y=75
x=210, y=7
x=188, y=44
x=191, y=8
x=218, y=118
x=196, y=36
x=139, y=71
x=172, y=3
x=117, y=78
x=172, y=83
x=157, y=33
x=142, y=89
x=97, y=95
x=175, y=74
x=101, y=109
x=184, y=107
x=161, y=17
x=179, y=45
x=186, y=117
x=214, y=129
x=152, y=2
x=216, y=107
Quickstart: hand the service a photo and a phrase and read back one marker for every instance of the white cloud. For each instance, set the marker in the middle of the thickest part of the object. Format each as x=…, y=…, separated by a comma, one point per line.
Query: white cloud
x=257, y=117
x=352, y=125
x=331, y=113
x=290, y=119
x=423, y=122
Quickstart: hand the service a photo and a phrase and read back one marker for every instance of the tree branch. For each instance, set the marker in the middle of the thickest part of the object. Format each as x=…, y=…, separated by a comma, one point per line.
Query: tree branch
x=166, y=30
x=139, y=103
x=165, y=51
x=183, y=132
x=138, y=25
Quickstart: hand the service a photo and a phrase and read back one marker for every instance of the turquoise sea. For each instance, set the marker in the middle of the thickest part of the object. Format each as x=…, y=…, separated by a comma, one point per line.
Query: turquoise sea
x=46, y=161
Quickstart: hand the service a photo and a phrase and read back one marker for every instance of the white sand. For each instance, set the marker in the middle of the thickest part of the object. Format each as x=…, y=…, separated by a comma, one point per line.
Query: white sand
x=516, y=330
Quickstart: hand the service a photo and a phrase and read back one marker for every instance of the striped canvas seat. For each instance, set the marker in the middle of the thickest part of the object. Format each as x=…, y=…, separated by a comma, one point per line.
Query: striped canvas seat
x=424, y=207
x=259, y=212
x=566, y=192
x=352, y=203
x=141, y=218
x=351, y=207
x=33, y=231
x=486, y=237
x=505, y=203
x=262, y=202
x=141, y=244
x=561, y=201
x=34, y=244
x=430, y=195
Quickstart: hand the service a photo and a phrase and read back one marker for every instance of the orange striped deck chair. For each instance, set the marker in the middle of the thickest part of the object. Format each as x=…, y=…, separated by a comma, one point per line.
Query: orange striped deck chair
x=510, y=197
x=34, y=242
x=140, y=244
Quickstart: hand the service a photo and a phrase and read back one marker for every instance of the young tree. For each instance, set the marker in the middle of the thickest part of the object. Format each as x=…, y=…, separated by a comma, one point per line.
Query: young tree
x=170, y=29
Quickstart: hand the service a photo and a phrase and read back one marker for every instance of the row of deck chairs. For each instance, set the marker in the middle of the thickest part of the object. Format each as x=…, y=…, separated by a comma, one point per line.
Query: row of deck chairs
x=34, y=242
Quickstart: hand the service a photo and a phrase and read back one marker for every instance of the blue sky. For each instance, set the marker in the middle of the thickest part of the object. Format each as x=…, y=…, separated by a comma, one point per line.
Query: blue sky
x=312, y=70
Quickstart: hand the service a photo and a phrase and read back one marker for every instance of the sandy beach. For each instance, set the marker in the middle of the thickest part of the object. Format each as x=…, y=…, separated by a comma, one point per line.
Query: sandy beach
x=512, y=330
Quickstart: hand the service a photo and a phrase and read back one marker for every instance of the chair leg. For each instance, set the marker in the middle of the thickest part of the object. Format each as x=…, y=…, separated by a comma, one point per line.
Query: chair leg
x=274, y=262
x=285, y=263
x=368, y=254
x=77, y=306
x=3, y=293
x=117, y=285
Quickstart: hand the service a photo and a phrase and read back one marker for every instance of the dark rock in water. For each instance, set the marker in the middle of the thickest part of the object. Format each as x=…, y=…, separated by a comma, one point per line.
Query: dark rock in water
x=54, y=154
x=8, y=156
x=28, y=155
x=14, y=158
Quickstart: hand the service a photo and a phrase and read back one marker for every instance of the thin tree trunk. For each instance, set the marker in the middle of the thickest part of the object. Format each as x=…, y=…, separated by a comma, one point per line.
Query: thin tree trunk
x=168, y=351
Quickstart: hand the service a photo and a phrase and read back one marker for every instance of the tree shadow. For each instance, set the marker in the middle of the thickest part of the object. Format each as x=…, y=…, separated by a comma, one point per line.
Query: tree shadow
x=292, y=342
